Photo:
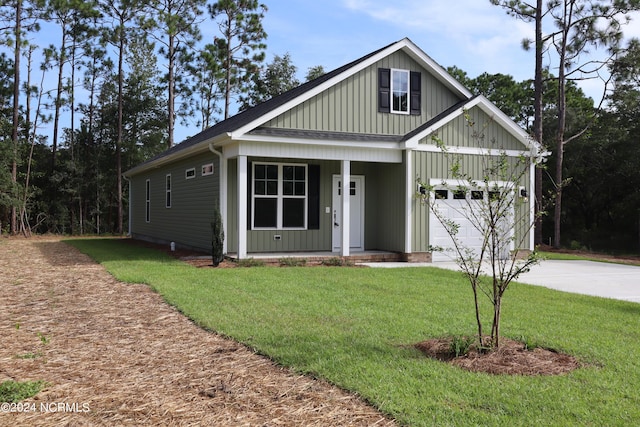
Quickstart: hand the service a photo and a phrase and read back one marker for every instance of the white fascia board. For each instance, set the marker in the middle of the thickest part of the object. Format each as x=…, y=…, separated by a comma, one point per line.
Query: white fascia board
x=432, y=148
x=326, y=143
x=405, y=44
x=302, y=151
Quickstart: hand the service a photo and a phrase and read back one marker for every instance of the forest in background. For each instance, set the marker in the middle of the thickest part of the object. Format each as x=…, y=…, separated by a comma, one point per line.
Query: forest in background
x=143, y=65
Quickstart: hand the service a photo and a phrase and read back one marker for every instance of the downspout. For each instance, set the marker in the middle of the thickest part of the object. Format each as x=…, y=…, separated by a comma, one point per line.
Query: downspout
x=222, y=191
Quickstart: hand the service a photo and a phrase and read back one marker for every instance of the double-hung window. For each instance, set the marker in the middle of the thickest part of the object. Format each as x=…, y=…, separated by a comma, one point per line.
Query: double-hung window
x=279, y=196
x=400, y=91
x=168, y=191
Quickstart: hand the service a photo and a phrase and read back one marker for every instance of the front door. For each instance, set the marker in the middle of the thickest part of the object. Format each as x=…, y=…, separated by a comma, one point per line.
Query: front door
x=356, y=207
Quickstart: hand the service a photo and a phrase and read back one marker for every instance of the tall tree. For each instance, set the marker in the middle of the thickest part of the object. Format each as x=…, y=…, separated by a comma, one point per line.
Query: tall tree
x=241, y=48
x=314, y=72
x=122, y=14
x=580, y=25
x=20, y=17
x=208, y=79
x=174, y=26
x=278, y=77
x=70, y=16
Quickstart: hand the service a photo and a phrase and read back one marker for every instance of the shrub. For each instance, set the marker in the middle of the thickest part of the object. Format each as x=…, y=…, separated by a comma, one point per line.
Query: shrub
x=292, y=262
x=217, y=239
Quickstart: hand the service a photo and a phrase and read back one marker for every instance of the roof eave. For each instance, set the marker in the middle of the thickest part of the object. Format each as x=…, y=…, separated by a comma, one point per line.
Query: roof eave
x=202, y=146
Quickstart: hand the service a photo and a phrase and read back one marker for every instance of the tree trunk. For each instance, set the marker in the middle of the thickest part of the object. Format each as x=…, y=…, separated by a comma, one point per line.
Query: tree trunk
x=537, y=122
x=562, y=118
x=171, y=106
x=119, y=227
x=16, y=117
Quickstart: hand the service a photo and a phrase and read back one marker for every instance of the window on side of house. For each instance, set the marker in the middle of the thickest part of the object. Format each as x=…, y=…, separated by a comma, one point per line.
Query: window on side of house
x=190, y=173
x=168, y=191
x=279, y=196
x=207, y=169
x=147, y=215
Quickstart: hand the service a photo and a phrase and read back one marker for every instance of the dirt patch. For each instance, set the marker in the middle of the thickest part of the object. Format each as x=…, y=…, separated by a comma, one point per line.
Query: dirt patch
x=117, y=354
x=512, y=358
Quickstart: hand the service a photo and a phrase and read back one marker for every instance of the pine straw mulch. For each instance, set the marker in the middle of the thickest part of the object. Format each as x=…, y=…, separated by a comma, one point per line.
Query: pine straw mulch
x=134, y=360
x=511, y=358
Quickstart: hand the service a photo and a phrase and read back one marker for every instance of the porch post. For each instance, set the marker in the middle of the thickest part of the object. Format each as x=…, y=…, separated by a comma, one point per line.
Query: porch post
x=242, y=207
x=408, y=214
x=223, y=199
x=346, y=216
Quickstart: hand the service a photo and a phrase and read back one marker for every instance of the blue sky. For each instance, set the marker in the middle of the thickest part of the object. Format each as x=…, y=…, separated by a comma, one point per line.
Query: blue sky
x=474, y=35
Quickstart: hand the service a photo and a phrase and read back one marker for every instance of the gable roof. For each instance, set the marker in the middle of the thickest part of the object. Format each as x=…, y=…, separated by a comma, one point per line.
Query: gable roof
x=251, y=119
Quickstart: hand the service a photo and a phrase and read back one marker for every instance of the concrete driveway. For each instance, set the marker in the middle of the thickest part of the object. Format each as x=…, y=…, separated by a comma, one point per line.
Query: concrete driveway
x=600, y=279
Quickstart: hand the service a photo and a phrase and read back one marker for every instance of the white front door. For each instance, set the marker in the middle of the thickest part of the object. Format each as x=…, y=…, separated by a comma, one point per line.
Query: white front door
x=356, y=213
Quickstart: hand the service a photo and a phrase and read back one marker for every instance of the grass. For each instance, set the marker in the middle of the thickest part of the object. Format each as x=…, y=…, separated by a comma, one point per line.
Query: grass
x=356, y=327
x=561, y=256
x=15, y=391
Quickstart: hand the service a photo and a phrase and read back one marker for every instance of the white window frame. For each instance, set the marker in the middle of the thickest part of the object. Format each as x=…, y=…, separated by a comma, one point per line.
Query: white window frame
x=393, y=90
x=280, y=196
x=147, y=202
x=190, y=173
x=207, y=169
x=167, y=186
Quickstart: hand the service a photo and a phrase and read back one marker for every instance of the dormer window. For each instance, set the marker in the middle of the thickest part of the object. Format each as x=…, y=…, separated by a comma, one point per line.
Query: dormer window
x=399, y=91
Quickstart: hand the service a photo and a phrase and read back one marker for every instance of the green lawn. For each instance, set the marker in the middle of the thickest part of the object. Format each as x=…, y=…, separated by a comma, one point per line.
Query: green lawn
x=356, y=327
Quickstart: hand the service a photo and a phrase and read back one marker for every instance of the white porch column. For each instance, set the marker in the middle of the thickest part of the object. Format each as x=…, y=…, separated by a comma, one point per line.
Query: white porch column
x=223, y=199
x=346, y=214
x=410, y=186
x=242, y=207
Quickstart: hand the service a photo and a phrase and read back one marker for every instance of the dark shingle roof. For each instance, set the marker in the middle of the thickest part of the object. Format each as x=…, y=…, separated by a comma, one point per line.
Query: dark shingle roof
x=253, y=113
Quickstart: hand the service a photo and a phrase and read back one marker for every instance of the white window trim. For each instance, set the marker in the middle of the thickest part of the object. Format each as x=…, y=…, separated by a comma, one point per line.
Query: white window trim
x=207, y=166
x=188, y=171
x=408, y=73
x=168, y=187
x=147, y=207
x=280, y=196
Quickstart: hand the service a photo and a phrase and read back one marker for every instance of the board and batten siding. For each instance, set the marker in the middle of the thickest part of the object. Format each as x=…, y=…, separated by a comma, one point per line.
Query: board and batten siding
x=352, y=105
x=188, y=221
x=479, y=130
x=436, y=165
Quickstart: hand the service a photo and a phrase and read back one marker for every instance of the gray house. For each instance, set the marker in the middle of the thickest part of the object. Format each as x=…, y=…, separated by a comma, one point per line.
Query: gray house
x=277, y=171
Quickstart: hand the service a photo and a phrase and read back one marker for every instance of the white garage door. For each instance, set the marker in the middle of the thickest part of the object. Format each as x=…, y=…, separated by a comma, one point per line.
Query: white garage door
x=460, y=206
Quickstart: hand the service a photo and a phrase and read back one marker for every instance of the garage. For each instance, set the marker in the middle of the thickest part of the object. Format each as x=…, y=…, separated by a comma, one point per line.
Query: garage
x=464, y=207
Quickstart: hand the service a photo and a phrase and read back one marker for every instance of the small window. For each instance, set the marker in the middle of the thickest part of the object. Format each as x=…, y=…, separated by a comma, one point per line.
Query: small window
x=190, y=173
x=400, y=91
x=168, y=191
x=442, y=194
x=477, y=195
x=147, y=201
x=207, y=169
x=459, y=195
x=494, y=195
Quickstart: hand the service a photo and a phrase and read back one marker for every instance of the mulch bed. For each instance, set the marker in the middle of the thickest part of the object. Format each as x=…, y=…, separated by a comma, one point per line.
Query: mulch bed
x=512, y=358
x=134, y=360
